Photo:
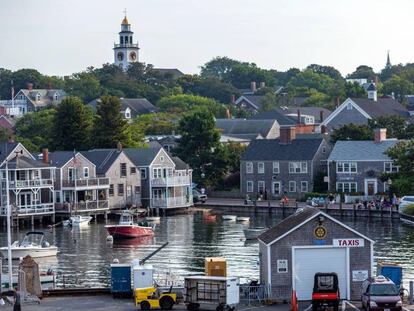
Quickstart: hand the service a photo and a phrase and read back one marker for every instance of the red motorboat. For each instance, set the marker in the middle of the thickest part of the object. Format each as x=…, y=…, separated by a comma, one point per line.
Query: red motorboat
x=127, y=229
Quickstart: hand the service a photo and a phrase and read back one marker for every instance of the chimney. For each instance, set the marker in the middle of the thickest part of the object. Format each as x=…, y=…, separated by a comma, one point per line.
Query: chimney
x=262, y=85
x=228, y=115
x=287, y=134
x=253, y=87
x=299, y=117
x=10, y=140
x=29, y=86
x=49, y=85
x=119, y=146
x=380, y=135
x=324, y=129
x=232, y=99
x=45, y=153
x=321, y=116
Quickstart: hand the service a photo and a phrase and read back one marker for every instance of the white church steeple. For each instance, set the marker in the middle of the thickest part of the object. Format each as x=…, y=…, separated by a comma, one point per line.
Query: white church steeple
x=125, y=52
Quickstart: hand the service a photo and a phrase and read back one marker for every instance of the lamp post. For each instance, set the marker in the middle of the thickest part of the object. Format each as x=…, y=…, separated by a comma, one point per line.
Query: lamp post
x=389, y=182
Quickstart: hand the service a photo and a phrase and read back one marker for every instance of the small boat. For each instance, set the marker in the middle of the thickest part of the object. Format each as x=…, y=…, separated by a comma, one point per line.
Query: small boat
x=80, y=220
x=243, y=219
x=45, y=277
x=229, y=217
x=126, y=228
x=210, y=217
x=153, y=218
x=253, y=233
x=33, y=245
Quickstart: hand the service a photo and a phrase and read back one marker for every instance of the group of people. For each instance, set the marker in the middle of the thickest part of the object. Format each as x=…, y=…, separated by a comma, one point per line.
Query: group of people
x=382, y=202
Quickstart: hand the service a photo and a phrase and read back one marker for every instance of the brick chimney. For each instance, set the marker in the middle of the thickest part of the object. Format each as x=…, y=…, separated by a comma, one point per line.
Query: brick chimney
x=324, y=129
x=321, y=116
x=29, y=86
x=380, y=135
x=299, y=117
x=119, y=146
x=10, y=139
x=45, y=155
x=253, y=87
x=232, y=99
x=287, y=134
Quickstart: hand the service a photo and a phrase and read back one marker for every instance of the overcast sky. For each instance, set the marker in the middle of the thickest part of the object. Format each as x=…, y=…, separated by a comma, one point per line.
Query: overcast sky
x=61, y=37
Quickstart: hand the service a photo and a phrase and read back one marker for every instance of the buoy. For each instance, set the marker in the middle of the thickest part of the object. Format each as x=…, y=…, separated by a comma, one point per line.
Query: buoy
x=109, y=238
x=116, y=260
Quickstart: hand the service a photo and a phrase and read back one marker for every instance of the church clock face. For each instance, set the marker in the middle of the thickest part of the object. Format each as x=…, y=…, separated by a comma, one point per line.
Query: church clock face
x=120, y=56
x=133, y=56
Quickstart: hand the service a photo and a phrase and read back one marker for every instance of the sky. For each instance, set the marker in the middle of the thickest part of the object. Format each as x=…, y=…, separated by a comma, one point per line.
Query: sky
x=61, y=37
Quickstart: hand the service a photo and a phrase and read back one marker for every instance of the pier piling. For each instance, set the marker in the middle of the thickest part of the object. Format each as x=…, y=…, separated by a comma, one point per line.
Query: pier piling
x=410, y=295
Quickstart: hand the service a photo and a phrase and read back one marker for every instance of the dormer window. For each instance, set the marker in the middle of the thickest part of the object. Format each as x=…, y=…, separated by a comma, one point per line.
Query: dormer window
x=127, y=113
x=37, y=97
x=56, y=97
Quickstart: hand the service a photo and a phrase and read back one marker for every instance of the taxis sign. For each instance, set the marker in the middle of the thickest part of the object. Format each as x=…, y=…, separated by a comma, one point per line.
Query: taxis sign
x=348, y=242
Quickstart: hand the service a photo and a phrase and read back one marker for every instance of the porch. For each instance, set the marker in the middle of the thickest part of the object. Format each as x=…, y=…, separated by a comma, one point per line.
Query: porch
x=173, y=202
x=96, y=206
x=171, y=181
x=29, y=210
x=86, y=183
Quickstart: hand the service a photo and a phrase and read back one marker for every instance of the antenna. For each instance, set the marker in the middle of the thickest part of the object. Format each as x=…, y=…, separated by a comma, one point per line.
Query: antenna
x=125, y=11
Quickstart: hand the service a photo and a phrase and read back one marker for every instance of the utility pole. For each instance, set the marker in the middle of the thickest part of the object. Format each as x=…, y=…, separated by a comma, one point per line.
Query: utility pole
x=9, y=252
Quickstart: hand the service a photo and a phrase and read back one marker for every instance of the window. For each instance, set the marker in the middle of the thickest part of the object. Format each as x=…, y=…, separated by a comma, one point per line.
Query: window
x=323, y=149
x=276, y=188
x=37, y=97
x=111, y=190
x=56, y=97
x=157, y=193
x=346, y=167
x=133, y=170
x=157, y=173
x=123, y=169
x=389, y=167
x=249, y=186
x=249, y=167
x=349, y=106
x=298, y=167
x=292, y=186
x=346, y=187
x=303, y=186
x=36, y=174
x=260, y=186
x=260, y=168
x=86, y=172
x=162, y=158
x=120, y=189
x=137, y=189
x=71, y=173
x=282, y=266
x=127, y=114
x=143, y=172
x=275, y=167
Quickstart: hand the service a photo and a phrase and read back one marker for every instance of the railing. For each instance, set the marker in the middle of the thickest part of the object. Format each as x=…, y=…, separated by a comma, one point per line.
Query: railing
x=82, y=206
x=87, y=182
x=259, y=294
x=170, y=181
x=9, y=102
x=35, y=209
x=126, y=45
x=30, y=183
x=172, y=202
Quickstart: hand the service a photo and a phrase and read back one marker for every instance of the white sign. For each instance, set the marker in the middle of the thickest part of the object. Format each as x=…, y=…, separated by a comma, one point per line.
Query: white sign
x=282, y=266
x=348, y=242
x=359, y=275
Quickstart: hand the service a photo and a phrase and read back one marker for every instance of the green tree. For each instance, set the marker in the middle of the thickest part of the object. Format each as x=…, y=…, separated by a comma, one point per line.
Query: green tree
x=354, y=90
x=156, y=123
x=199, y=146
x=269, y=101
x=399, y=86
x=72, y=125
x=218, y=67
x=183, y=103
x=37, y=127
x=363, y=72
x=352, y=132
x=326, y=70
x=310, y=80
x=397, y=126
x=83, y=85
x=110, y=127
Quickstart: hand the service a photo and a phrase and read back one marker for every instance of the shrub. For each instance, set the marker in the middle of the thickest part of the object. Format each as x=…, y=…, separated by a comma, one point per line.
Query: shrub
x=409, y=210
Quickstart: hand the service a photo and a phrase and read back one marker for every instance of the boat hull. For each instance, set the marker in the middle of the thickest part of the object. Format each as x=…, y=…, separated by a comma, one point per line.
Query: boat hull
x=251, y=234
x=129, y=232
x=34, y=252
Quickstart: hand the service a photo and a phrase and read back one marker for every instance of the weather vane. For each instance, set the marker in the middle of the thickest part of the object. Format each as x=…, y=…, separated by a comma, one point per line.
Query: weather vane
x=125, y=11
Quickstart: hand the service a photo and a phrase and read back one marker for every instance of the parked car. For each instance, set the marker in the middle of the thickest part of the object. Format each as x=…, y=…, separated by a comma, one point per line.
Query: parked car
x=199, y=197
x=380, y=294
x=405, y=201
x=325, y=291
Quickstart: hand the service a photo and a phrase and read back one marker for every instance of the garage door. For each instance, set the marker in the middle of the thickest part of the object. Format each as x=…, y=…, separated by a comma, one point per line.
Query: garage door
x=308, y=261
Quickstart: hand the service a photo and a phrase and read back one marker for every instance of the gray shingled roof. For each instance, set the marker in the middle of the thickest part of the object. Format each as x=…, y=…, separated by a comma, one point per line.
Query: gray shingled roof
x=179, y=164
x=254, y=99
x=271, y=149
x=288, y=224
x=46, y=96
x=138, y=106
x=171, y=71
x=102, y=158
x=5, y=149
x=371, y=87
x=310, y=111
x=352, y=150
x=381, y=107
x=274, y=114
x=22, y=162
x=60, y=158
x=243, y=126
x=142, y=156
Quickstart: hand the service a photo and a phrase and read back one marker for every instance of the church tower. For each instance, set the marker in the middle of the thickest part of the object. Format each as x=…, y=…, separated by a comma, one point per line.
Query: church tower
x=388, y=64
x=126, y=52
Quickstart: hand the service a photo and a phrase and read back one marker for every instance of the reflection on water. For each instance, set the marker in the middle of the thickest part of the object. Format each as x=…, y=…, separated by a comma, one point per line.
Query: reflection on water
x=84, y=253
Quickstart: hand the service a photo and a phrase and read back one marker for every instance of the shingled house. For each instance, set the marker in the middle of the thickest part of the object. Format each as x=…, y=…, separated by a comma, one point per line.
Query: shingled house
x=287, y=165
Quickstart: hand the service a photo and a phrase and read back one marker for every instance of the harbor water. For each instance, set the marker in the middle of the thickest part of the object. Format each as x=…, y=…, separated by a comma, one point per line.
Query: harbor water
x=85, y=255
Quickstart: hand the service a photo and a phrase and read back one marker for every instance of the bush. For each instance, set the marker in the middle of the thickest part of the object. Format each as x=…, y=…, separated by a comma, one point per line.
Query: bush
x=409, y=210
x=315, y=195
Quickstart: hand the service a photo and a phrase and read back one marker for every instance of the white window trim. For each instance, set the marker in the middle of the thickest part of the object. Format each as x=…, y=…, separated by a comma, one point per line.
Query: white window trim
x=249, y=186
x=392, y=166
x=350, y=163
x=273, y=187
x=143, y=176
x=261, y=182
x=249, y=167
x=349, y=184
x=292, y=169
x=86, y=169
x=276, y=167
x=294, y=183
x=260, y=164
x=307, y=186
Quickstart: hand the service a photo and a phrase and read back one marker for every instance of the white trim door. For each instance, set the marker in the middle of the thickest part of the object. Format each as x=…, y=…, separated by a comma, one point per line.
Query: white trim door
x=370, y=186
x=308, y=260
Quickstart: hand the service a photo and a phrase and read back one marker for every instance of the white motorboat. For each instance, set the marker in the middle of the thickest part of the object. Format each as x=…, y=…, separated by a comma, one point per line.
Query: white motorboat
x=153, y=218
x=80, y=220
x=229, y=217
x=253, y=233
x=33, y=245
x=243, y=219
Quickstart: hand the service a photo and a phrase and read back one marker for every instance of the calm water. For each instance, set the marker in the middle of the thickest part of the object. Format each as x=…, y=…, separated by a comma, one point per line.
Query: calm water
x=84, y=257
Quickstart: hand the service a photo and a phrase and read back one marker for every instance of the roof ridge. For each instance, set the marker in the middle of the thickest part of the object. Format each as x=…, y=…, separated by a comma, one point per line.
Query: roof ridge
x=106, y=159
